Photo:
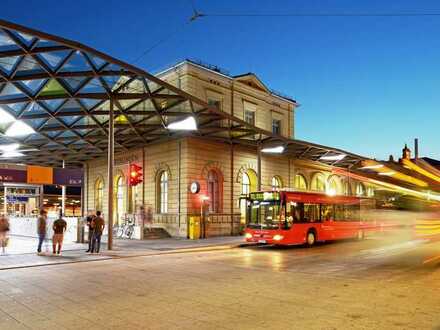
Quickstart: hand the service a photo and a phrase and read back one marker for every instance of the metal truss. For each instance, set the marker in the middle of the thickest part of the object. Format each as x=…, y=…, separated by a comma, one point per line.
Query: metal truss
x=62, y=89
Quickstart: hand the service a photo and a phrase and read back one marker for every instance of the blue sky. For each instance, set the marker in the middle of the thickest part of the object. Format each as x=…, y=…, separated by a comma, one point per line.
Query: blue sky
x=365, y=84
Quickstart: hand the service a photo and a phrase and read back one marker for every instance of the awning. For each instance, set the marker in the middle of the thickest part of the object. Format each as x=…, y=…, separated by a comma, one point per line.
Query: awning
x=55, y=96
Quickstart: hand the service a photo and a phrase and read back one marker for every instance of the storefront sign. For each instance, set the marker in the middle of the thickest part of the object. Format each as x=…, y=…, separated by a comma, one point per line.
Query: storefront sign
x=17, y=199
x=67, y=176
x=39, y=175
x=16, y=176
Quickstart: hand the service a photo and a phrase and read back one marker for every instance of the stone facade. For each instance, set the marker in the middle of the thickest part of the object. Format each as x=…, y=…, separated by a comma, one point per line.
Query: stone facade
x=192, y=159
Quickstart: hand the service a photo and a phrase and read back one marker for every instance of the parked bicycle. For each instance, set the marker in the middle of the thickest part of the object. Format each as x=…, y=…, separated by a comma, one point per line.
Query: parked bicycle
x=125, y=230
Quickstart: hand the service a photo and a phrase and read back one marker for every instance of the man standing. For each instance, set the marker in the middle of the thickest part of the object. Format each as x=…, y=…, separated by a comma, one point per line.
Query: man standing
x=89, y=221
x=98, y=228
x=59, y=227
x=41, y=229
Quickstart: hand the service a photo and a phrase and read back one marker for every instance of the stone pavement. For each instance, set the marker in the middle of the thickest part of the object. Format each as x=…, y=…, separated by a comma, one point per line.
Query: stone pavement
x=21, y=252
x=250, y=288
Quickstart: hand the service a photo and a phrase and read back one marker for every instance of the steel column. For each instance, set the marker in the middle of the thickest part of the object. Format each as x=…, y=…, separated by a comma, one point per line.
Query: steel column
x=63, y=196
x=110, y=165
x=259, y=167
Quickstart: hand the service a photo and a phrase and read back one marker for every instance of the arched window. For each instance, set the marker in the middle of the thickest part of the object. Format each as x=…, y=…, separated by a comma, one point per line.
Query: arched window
x=162, y=192
x=245, y=184
x=333, y=185
x=120, y=198
x=300, y=182
x=99, y=194
x=248, y=181
x=213, y=191
x=276, y=183
x=370, y=191
x=360, y=189
x=318, y=182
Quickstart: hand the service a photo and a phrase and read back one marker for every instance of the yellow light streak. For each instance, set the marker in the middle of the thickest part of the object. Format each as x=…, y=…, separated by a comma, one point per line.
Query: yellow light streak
x=408, y=163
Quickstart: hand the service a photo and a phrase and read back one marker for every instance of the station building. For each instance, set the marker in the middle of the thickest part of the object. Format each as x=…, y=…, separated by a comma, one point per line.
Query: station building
x=203, y=139
x=225, y=172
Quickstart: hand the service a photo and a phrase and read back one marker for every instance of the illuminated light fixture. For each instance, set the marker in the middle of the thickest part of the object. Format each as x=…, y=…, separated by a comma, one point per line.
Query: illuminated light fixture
x=6, y=117
x=11, y=154
x=333, y=157
x=387, y=173
x=248, y=235
x=331, y=192
x=371, y=167
x=9, y=147
x=273, y=150
x=19, y=128
x=278, y=237
x=187, y=124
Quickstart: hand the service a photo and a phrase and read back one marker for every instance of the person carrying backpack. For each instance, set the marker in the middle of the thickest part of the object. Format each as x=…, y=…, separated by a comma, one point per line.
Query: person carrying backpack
x=59, y=227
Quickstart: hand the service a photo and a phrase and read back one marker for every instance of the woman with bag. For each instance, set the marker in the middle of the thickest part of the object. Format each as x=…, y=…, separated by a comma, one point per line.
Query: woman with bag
x=4, y=228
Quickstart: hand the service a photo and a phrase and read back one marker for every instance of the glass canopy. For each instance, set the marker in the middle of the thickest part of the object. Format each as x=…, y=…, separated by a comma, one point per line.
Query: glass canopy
x=55, y=97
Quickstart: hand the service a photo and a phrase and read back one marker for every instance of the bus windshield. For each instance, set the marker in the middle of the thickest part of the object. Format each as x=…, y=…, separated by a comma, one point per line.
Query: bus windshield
x=264, y=214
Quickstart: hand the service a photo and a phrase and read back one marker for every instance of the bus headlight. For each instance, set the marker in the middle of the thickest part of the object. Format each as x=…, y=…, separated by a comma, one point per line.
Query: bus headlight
x=278, y=237
x=248, y=235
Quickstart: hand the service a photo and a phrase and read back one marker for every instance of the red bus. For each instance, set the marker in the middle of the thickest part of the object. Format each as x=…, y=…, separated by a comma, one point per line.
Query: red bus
x=286, y=218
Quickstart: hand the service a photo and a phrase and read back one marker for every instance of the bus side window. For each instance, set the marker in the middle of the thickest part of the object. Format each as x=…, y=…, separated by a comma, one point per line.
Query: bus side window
x=327, y=212
x=311, y=213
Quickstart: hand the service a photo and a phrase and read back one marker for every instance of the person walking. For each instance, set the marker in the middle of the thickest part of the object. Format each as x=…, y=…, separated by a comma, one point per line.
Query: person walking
x=41, y=229
x=59, y=227
x=89, y=222
x=98, y=228
x=4, y=228
x=149, y=218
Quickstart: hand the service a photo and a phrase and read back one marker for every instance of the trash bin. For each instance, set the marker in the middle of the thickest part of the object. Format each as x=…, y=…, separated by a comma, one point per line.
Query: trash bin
x=194, y=227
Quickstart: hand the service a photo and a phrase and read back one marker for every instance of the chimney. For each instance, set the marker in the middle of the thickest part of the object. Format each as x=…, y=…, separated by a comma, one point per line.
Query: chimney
x=416, y=148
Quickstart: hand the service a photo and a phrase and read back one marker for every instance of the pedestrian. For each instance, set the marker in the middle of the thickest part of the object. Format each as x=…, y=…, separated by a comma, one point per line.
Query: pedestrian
x=89, y=222
x=98, y=228
x=149, y=218
x=41, y=229
x=59, y=227
x=4, y=228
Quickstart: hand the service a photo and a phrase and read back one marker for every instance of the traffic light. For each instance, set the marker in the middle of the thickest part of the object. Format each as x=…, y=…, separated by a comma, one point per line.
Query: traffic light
x=135, y=175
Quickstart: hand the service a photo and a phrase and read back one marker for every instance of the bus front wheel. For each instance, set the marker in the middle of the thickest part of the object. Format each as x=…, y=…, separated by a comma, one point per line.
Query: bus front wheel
x=310, y=238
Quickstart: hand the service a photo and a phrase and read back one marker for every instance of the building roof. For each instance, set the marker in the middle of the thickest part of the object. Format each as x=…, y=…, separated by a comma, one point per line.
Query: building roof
x=225, y=73
x=61, y=90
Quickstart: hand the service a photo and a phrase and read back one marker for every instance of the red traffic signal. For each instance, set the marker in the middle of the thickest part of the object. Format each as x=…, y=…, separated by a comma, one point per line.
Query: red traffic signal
x=135, y=175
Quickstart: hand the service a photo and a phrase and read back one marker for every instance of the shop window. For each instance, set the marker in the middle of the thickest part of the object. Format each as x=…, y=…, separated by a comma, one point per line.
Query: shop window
x=318, y=182
x=162, y=192
x=276, y=183
x=213, y=192
x=99, y=194
x=300, y=182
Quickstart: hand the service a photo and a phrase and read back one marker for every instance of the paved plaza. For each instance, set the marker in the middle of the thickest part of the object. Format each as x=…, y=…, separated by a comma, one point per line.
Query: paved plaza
x=380, y=283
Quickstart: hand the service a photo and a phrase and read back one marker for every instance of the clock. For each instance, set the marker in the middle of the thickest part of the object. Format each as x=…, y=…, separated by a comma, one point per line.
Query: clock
x=194, y=187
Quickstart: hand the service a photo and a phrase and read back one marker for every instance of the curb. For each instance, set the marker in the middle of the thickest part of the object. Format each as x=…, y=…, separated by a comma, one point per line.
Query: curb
x=106, y=257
